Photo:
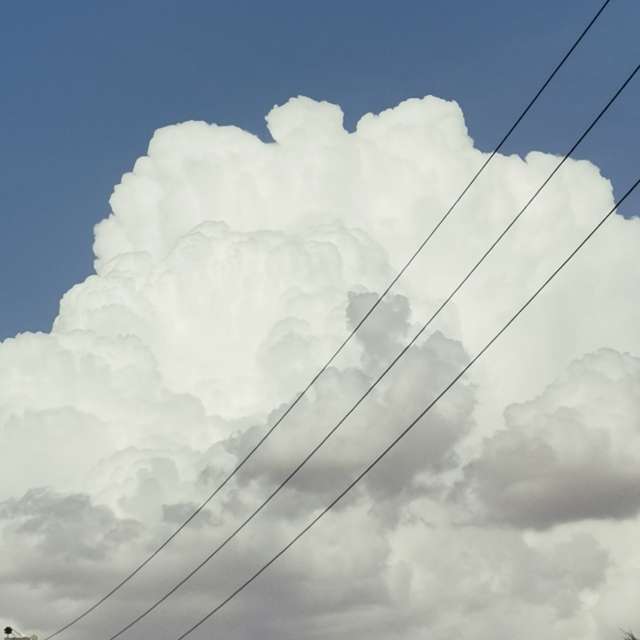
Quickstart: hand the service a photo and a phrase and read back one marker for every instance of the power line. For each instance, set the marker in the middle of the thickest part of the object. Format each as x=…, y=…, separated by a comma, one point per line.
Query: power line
x=403, y=433
x=321, y=371
x=402, y=352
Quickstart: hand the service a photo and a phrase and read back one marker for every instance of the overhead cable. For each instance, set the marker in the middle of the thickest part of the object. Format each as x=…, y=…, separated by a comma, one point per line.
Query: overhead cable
x=328, y=363
x=411, y=425
x=373, y=385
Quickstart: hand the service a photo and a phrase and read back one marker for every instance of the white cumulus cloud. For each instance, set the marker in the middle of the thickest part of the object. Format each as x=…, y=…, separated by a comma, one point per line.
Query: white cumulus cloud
x=227, y=272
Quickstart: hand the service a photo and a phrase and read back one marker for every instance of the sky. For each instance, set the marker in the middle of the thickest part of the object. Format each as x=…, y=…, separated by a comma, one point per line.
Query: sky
x=201, y=202
x=86, y=84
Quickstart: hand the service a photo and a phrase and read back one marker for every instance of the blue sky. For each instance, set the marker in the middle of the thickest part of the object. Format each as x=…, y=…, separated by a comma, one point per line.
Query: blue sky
x=85, y=84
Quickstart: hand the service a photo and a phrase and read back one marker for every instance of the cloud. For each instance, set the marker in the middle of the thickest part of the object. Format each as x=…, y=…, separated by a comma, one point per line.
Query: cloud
x=65, y=525
x=227, y=272
x=571, y=453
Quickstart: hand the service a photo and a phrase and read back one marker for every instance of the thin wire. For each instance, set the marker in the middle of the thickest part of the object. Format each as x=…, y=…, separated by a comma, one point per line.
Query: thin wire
x=241, y=464
x=402, y=352
x=421, y=415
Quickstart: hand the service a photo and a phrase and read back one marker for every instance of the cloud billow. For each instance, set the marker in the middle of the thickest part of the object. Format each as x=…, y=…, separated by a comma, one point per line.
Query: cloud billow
x=571, y=453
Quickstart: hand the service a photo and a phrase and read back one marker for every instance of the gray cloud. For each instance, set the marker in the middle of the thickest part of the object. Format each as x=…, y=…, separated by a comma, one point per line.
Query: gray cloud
x=384, y=330
x=66, y=526
x=569, y=454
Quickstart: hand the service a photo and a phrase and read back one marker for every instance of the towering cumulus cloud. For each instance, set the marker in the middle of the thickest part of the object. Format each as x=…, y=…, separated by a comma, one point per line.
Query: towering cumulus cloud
x=226, y=274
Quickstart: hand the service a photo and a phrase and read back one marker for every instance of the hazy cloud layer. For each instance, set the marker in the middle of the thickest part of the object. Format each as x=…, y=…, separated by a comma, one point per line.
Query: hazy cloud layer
x=226, y=274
